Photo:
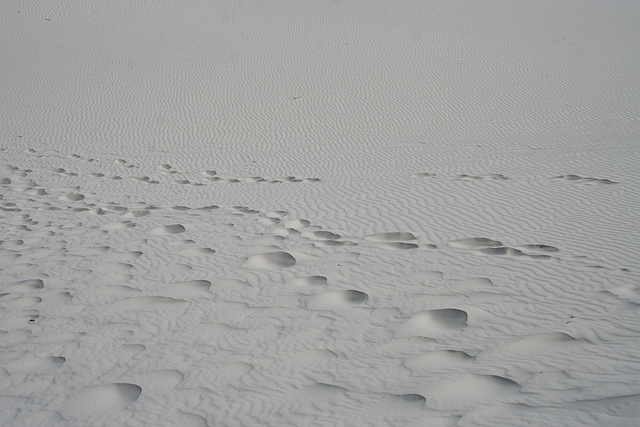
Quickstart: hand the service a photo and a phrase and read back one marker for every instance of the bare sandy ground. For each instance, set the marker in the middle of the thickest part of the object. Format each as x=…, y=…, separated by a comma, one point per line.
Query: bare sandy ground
x=414, y=213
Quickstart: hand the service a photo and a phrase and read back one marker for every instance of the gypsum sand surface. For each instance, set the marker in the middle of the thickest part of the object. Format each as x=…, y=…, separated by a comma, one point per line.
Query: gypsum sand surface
x=328, y=213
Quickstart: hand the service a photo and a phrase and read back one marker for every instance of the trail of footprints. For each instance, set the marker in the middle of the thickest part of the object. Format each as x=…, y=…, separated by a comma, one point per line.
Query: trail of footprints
x=211, y=176
x=164, y=170
x=500, y=177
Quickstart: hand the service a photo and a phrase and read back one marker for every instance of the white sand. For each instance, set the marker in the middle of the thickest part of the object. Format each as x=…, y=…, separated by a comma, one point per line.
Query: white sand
x=319, y=212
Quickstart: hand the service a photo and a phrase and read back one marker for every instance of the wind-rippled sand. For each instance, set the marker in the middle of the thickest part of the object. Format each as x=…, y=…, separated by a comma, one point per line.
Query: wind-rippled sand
x=319, y=213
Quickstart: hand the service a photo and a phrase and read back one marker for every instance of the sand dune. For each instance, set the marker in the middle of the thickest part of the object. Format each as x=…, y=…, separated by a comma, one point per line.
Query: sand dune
x=319, y=213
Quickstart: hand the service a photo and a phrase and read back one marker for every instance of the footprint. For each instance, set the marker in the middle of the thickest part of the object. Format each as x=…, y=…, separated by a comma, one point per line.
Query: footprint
x=297, y=223
x=7, y=257
x=337, y=299
x=269, y=221
x=33, y=364
x=308, y=281
x=320, y=235
x=434, y=321
x=500, y=251
x=136, y=213
x=507, y=251
x=400, y=245
x=37, y=192
x=166, y=169
x=28, y=285
x=269, y=260
x=72, y=197
x=543, y=248
x=209, y=208
x=167, y=230
x=146, y=180
x=474, y=242
x=492, y=176
x=25, y=302
x=577, y=178
x=333, y=244
x=285, y=232
x=254, y=179
x=409, y=398
x=102, y=398
x=59, y=299
x=245, y=210
x=391, y=236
